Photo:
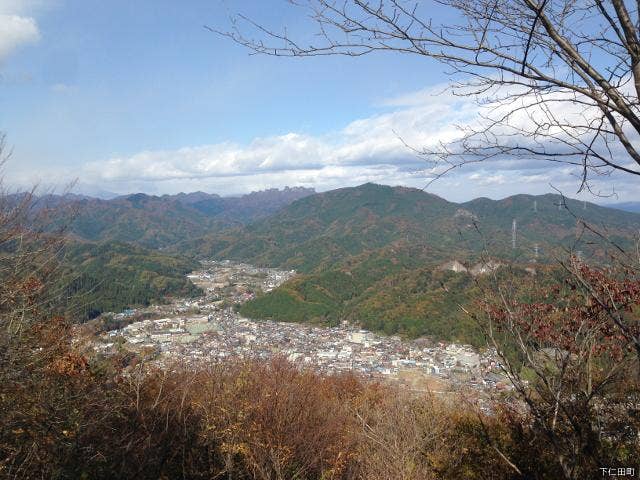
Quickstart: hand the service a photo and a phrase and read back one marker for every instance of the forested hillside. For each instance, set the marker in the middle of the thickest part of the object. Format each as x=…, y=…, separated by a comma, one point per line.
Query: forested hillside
x=114, y=256
x=372, y=254
x=376, y=255
x=161, y=221
x=319, y=230
x=103, y=277
x=397, y=290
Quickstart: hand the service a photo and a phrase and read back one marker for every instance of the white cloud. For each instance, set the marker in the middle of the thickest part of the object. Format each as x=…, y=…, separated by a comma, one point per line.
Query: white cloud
x=371, y=145
x=16, y=31
x=61, y=88
x=18, y=26
x=484, y=179
x=367, y=149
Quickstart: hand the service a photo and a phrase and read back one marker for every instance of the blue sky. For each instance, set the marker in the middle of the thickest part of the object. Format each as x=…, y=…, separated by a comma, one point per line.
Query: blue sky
x=138, y=96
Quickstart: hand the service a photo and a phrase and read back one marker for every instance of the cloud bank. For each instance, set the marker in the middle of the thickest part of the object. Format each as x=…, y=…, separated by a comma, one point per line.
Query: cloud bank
x=372, y=149
x=368, y=149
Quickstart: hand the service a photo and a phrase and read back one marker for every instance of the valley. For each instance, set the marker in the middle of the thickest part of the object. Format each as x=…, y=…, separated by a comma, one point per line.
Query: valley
x=392, y=260
x=210, y=328
x=386, y=309
x=320, y=240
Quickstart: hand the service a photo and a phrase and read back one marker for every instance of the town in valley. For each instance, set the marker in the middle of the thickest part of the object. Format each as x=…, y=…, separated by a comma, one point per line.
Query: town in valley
x=210, y=328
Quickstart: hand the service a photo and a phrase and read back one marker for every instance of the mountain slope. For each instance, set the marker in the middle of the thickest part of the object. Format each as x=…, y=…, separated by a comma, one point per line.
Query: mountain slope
x=550, y=221
x=112, y=276
x=318, y=231
x=372, y=254
x=158, y=222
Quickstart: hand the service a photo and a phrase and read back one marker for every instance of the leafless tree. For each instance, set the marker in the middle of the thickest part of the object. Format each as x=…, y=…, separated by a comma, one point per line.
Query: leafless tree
x=557, y=80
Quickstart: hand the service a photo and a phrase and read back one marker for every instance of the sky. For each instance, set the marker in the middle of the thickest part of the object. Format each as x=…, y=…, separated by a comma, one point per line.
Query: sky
x=137, y=96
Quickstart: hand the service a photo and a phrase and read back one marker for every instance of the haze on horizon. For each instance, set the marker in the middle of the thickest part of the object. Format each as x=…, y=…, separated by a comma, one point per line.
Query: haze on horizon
x=139, y=97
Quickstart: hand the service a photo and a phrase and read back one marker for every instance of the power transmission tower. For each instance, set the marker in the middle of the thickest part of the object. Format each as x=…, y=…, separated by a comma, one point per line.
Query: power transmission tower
x=536, y=251
x=535, y=206
x=513, y=234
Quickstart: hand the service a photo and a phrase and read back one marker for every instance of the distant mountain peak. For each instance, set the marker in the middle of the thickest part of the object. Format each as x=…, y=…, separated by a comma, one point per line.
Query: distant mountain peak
x=633, y=207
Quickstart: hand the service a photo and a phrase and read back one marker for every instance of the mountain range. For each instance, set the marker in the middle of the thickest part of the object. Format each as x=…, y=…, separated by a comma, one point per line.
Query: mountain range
x=626, y=206
x=320, y=230
x=378, y=255
x=116, y=256
x=382, y=257
x=160, y=221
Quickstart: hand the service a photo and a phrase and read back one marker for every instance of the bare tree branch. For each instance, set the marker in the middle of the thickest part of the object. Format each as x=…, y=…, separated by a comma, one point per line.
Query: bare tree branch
x=519, y=59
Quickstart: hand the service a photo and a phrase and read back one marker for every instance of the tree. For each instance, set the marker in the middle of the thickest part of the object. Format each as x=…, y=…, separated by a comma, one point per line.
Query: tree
x=559, y=81
x=556, y=80
x=569, y=349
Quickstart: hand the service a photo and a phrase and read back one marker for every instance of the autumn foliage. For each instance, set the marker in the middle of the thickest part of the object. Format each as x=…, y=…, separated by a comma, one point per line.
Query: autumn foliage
x=569, y=348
